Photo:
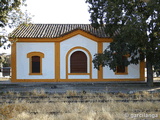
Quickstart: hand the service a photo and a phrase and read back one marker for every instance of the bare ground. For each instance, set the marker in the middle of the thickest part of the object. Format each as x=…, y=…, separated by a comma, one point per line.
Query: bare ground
x=80, y=101
x=98, y=87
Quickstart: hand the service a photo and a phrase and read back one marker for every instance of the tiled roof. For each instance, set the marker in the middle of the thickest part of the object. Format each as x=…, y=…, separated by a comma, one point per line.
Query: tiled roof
x=54, y=30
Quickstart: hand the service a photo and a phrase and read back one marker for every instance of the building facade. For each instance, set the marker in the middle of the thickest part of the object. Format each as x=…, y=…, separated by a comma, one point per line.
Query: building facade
x=63, y=53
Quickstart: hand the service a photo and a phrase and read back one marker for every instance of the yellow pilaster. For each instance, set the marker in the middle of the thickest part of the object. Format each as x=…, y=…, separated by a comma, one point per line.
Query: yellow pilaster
x=100, y=71
x=13, y=62
x=57, y=61
x=142, y=70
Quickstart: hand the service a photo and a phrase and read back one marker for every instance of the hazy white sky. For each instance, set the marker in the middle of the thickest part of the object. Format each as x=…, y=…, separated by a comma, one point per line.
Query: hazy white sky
x=57, y=11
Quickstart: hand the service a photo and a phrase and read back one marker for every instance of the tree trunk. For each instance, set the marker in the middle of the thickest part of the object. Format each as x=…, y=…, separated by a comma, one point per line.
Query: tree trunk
x=149, y=74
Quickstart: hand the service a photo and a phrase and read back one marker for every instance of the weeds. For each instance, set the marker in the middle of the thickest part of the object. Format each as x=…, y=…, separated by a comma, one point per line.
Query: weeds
x=38, y=92
x=71, y=93
x=92, y=110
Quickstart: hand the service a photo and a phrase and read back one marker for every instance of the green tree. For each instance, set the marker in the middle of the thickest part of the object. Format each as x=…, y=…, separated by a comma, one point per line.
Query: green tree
x=5, y=60
x=134, y=26
x=11, y=16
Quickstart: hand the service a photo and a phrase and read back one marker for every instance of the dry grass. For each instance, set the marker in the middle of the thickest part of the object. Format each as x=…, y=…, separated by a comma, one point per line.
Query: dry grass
x=92, y=110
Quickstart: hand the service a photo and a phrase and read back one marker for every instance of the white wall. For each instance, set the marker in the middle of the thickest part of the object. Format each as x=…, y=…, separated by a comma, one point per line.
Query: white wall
x=77, y=41
x=48, y=62
x=78, y=77
x=133, y=70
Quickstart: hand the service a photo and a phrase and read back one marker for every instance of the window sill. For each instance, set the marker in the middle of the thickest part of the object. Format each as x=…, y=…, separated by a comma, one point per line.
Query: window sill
x=35, y=73
x=121, y=73
x=78, y=73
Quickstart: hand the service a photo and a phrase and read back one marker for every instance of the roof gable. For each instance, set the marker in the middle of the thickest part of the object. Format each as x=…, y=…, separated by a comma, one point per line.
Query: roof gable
x=55, y=30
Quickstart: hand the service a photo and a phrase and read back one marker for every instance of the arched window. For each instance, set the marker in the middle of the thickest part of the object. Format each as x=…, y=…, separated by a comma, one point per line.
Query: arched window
x=35, y=63
x=78, y=62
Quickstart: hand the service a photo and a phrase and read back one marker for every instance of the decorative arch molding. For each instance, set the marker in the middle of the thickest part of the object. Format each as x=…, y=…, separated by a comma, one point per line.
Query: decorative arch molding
x=31, y=55
x=35, y=54
x=89, y=61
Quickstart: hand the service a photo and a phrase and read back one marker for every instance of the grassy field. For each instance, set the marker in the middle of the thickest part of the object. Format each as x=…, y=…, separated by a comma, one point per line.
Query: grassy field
x=38, y=105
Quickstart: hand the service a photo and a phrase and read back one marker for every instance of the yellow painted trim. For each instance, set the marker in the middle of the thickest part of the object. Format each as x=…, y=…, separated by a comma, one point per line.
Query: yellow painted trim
x=100, y=50
x=35, y=73
x=57, y=61
x=75, y=80
x=34, y=80
x=90, y=59
x=13, y=62
x=98, y=80
x=67, y=36
x=29, y=55
x=78, y=73
x=142, y=70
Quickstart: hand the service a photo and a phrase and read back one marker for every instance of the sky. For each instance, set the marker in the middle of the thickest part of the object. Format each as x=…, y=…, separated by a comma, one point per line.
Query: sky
x=56, y=12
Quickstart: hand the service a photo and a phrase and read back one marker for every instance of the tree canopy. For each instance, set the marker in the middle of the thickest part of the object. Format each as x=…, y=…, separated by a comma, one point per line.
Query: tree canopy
x=11, y=16
x=134, y=26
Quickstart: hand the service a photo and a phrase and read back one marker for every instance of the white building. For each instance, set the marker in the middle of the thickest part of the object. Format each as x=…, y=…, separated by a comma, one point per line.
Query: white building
x=63, y=53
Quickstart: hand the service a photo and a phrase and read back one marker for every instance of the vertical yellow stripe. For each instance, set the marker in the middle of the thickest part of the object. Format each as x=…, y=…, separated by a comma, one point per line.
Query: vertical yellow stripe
x=13, y=63
x=142, y=70
x=57, y=61
x=100, y=71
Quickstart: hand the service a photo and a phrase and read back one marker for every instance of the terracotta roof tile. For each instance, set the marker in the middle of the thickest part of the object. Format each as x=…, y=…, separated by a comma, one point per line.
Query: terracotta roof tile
x=54, y=30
